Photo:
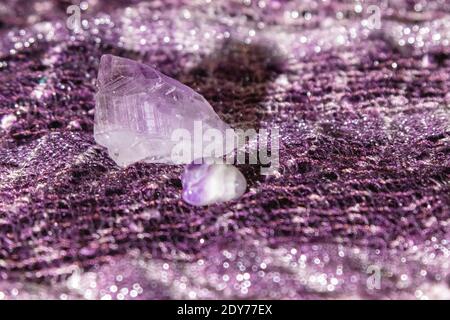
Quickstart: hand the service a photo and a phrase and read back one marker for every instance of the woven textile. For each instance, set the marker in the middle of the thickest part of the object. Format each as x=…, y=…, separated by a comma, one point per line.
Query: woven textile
x=363, y=185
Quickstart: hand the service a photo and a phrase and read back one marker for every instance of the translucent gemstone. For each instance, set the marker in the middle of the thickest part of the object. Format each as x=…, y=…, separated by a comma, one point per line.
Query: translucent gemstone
x=138, y=108
x=205, y=184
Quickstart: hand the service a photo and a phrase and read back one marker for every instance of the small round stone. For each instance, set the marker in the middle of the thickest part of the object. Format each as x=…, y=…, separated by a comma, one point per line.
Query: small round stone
x=205, y=184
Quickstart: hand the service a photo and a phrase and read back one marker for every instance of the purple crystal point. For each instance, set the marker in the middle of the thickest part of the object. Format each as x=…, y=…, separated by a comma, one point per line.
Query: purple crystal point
x=138, y=109
x=205, y=184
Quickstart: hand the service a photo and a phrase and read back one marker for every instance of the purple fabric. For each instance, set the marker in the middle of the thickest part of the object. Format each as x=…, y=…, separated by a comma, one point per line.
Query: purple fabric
x=364, y=152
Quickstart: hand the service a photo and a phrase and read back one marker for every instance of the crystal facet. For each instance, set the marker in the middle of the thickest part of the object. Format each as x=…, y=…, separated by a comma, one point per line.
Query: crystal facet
x=138, y=108
x=205, y=184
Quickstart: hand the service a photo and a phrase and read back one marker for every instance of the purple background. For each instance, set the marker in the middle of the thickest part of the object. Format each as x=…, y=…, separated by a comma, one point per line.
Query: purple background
x=364, y=152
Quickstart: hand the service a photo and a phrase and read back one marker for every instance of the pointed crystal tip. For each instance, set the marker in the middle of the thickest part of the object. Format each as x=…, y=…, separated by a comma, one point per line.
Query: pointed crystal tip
x=138, y=110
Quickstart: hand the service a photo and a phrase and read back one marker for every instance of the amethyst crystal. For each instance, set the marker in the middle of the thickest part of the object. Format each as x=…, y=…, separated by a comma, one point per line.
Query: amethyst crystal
x=205, y=184
x=138, y=110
